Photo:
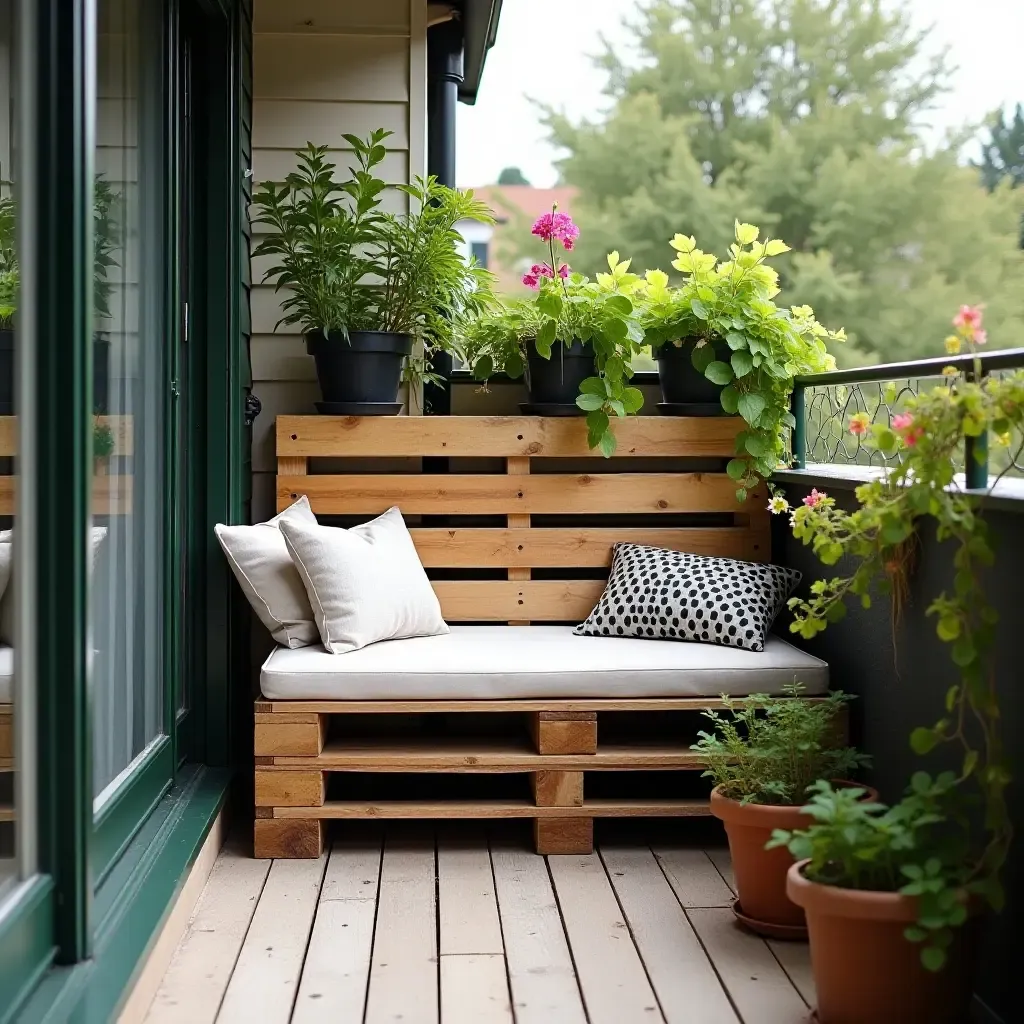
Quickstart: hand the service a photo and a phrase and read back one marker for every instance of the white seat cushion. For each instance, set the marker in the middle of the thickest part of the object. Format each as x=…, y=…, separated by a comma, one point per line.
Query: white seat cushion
x=6, y=674
x=539, y=662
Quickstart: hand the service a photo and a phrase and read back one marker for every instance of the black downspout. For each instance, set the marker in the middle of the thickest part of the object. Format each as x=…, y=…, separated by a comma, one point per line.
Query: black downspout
x=444, y=76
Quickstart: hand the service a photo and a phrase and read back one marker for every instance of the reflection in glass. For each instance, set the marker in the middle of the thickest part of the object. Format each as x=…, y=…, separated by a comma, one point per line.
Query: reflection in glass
x=9, y=320
x=130, y=390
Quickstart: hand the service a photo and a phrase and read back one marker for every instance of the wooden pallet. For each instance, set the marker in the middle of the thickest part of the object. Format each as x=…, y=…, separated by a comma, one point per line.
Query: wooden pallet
x=504, y=474
x=556, y=746
x=6, y=737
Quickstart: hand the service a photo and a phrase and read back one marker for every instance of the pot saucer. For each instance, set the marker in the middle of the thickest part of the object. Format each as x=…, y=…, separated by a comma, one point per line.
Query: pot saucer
x=691, y=409
x=550, y=409
x=790, y=932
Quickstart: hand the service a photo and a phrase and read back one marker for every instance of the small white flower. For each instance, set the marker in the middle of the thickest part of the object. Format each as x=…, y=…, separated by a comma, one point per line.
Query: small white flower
x=778, y=505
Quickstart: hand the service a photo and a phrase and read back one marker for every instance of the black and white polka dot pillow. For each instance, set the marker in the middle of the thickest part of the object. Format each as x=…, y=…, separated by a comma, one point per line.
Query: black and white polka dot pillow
x=657, y=594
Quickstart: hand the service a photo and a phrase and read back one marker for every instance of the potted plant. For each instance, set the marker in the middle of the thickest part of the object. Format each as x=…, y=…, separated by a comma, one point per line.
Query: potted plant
x=9, y=283
x=870, y=878
x=723, y=324
x=103, y=445
x=106, y=243
x=574, y=340
x=366, y=285
x=762, y=756
x=921, y=483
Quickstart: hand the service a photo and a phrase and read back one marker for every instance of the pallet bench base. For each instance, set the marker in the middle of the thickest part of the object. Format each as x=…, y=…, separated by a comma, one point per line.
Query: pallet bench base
x=557, y=750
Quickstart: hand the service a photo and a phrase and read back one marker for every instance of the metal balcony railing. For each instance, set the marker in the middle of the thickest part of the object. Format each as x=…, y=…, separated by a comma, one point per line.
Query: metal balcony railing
x=822, y=404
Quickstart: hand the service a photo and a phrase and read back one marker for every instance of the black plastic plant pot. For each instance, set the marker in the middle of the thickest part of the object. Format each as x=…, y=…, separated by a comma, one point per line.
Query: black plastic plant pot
x=682, y=384
x=554, y=383
x=6, y=372
x=362, y=374
x=100, y=375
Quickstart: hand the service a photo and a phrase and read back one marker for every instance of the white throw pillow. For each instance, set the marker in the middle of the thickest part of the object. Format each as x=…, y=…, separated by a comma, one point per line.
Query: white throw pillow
x=365, y=584
x=265, y=571
x=6, y=557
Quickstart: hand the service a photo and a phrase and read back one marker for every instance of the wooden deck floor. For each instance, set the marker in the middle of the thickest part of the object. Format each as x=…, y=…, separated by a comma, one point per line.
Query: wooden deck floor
x=449, y=925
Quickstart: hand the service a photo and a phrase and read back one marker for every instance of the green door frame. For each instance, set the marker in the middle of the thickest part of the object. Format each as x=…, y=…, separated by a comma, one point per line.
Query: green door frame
x=68, y=948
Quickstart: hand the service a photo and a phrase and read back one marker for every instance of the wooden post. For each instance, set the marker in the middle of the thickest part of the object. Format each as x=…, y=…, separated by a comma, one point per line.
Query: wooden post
x=518, y=465
x=562, y=732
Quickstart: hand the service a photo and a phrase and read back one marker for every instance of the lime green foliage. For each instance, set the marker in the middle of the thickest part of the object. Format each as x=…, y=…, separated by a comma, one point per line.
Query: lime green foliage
x=102, y=440
x=908, y=848
x=601, y=313
x=349, y=266
x=921, y=486
x=801, y=116
x=105, y=242
x=769, y=345
x=768, y=750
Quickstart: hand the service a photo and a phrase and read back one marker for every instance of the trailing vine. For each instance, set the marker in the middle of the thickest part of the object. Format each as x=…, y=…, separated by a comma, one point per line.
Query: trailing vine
x=922, y=484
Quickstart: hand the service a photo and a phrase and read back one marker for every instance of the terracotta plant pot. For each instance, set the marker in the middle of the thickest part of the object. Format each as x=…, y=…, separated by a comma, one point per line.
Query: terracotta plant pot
x=864, y=968
x=763, y=905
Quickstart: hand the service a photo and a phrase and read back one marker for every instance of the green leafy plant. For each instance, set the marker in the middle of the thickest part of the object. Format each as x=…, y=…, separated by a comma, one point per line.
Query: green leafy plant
x=106, y=242
x=768, y=750
x=769, y=345
x=908, y=848
x=568, y=307
x=349, y=266
x=102, y=440
x=10, y=270
x=921, y=485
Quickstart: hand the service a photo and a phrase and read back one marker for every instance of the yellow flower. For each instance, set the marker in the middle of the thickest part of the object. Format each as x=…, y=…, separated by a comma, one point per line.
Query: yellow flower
x=1003, y=440
x=952, y=344
x=778, y=504
x=949, y=371
x=859, y=423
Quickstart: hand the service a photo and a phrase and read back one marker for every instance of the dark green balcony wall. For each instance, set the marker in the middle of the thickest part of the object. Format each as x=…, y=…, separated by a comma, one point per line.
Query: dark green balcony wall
x=901, y=677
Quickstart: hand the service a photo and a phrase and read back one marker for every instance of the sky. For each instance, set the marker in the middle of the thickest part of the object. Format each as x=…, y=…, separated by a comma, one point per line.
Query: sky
x=543, y=50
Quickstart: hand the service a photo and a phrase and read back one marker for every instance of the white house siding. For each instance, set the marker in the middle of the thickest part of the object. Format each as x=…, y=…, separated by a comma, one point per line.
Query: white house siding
x=322, y=68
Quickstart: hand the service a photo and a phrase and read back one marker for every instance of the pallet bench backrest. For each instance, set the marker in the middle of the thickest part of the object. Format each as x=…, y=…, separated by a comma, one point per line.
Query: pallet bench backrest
x=528, y=514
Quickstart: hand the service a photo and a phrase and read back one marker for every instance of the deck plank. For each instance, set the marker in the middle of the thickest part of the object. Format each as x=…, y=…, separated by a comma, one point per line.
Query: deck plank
x=693, y=876
x=683, y=978
x=266, y=976
x=541, y=974
x=795, y=958
x=723, y=862
x=198, y=975
x=474, y=989
x=334, y=978
x=758, y=986
x=467, y=907
x=612, y=978
x=404, y=970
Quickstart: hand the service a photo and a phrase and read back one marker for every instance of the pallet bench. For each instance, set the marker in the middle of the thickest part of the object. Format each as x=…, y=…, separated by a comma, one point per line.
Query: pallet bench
x=523, y=497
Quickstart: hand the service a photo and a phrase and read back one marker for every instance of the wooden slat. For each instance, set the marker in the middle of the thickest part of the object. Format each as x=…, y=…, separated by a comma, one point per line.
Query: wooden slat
x=111, y=495
x=719, y=856
x=6, y=732
x=266, y=977
x=333, y=986
x=467, y=907
x=474, y=990
x=482, y=755
x=403, y=975
x=564, y=732
x=384, y=809
x=614, y=983
x=317, y=436
x=121, y=426
x=504, y=601
x=688, y=988
x=795, y=958
x=289, y=789
x=496, y=494
x=758, y=986
x=572, y=547
x=198, y=975
x=350, y=707
x=540, y=970
x=693, y=877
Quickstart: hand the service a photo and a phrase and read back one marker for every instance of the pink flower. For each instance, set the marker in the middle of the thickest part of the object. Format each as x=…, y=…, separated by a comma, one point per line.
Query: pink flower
x=902, y=420
x=542, y=270
x=816, y=497
x=980, y=337
x=913, y=436
x=530, y=280
x=859, y=423
x=563, y=270
x=558, y=226
x=969, y=317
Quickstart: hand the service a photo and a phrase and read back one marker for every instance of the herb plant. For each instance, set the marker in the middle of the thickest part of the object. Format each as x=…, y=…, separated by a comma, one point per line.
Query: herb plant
x=10, y=271
x=907, y=848
x=102, y=440
x=349, y=266
x=769, y=750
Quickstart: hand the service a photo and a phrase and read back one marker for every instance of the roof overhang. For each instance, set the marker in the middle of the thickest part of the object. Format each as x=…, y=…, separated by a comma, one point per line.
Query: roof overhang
x=480, y=29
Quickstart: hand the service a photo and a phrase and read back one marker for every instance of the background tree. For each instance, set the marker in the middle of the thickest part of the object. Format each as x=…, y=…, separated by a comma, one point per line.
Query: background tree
x=1003, y=155
x=802, y=116
x=512, y=176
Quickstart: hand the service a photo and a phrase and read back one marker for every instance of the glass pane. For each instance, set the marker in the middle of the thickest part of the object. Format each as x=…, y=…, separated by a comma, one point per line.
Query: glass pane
x=130, y=391
x=17, y=770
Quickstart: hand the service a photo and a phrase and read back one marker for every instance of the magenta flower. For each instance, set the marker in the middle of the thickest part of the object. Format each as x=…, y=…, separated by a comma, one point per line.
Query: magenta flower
x=902, y=421
x=558, y=226
x=563, y=270
x=816, y=497
x=530, y=280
